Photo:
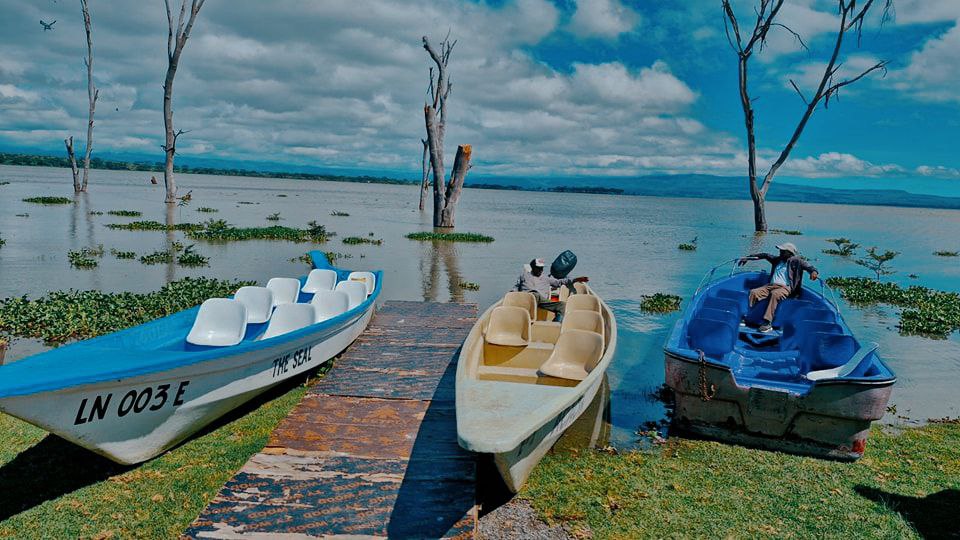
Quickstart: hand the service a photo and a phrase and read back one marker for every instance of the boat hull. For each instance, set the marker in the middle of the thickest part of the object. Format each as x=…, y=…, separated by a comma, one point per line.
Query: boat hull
x=135, y=419
x=831, y=420
x=516, y=465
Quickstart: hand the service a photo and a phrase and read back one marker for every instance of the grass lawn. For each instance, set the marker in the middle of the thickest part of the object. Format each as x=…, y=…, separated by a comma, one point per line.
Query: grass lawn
x=906, y=486
x=53, y=489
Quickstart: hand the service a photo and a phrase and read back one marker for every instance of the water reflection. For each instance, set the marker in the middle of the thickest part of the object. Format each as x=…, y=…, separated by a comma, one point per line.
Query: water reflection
x=171, y=237
x=433, y=255
x=592, y=429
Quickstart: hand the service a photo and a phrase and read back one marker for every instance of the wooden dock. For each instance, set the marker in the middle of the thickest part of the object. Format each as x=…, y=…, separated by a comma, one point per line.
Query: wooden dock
x=371, y=451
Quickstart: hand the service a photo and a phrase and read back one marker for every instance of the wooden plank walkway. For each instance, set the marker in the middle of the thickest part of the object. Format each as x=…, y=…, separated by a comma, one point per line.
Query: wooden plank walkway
x=371, y=451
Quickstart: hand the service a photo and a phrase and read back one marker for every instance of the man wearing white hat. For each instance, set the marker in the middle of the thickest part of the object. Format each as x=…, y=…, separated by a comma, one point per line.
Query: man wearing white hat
x=534, y=281
x=786, y=279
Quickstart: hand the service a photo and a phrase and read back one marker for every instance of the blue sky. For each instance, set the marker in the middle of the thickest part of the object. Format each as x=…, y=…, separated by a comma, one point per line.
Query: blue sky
x=541, y=88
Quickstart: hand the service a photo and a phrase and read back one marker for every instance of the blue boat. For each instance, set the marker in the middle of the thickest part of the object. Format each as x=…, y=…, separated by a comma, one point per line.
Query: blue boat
x=808, y=387
x=135, y=393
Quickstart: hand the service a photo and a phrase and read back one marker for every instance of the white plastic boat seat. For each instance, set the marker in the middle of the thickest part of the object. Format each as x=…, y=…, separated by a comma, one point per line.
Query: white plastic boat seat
x=544, y=331
x=580, y=288
x=525, y=300
x=355, y=290
x=579, y=319
x=576, y=354
x=320, y=279
x=509, y=325
x=847, y=369
x=587, y=302
x=329, y=304
x=367, y=278
x=221, y=322
x=258, y=301
x=285, y=290
x=564, y=293
x=289, y=317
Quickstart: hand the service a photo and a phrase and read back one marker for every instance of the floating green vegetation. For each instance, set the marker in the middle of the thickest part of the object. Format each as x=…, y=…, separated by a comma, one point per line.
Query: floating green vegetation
x=660, y=303
x=157, y=257
x=687, y=488
x=221, y=231
x=338, y=213
x=246, y=202
x=469, y=286
x=788, y=232
x=281, y=194
x=332, y=256
x=274, y=217
x=947, y=253
x=207, y=210
x=61, y=316
x=356, y=240
x=85, y=257
x=845, y=247
x=2, y=241
x=189, y=257
x=689, y=246
x=125, y=213
x=123, y=254
x=305, y=258
x=150, y=225
x=48, y=200
x=926, y=312
x=22, y=215
x=95, y=213
x=449, y=237
x=3, y=183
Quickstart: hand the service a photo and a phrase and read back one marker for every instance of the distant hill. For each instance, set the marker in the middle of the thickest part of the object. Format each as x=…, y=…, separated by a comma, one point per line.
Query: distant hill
x=680, y=186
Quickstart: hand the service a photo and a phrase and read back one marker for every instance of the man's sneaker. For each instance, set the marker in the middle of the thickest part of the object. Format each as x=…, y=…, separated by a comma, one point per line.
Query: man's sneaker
x=765, y=327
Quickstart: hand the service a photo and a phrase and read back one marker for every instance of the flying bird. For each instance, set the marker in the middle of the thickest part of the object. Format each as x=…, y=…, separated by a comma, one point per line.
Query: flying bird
x=47, y=26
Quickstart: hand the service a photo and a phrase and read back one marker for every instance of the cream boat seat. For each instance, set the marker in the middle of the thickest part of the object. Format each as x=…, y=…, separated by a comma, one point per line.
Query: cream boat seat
x=367, y=278
x=221, y=322
x=523, y=300
x=320, y=279
x=258, y=301
x=509, y=325
x=285, y=290
x=580, y=288
x=580, y=319
x=575, y=355
x=586, y=302
x=329, y=304
x=289, y=317
x=355, y=290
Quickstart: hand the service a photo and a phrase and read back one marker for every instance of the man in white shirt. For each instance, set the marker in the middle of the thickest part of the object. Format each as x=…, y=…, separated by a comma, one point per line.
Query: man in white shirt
x=786, y=279
x=536, y=282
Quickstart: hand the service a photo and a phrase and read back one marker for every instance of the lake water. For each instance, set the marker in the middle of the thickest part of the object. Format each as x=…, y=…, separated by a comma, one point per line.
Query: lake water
x=627, y=245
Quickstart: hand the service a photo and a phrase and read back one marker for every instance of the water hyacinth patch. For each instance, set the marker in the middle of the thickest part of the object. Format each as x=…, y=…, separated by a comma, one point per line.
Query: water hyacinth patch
x=449, y=237
x=926, y=312
x=220, y=230
x=2, y=241
x=338, y=213
x=150, y=225
x=123, y=254
x=48, y=200
x=85, y=257
x=355, y=240
x=332, y=256
x=469, y=285
x=189, y=257
x=157, y=257
x=274, y=217
x=947, y=253
x=788, y=232
x=207, y=210
x=125, y=213
x=660, y=303
x=64, y=315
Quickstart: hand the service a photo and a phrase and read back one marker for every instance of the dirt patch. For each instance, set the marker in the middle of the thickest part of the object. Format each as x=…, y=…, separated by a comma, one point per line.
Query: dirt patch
x=517, y=519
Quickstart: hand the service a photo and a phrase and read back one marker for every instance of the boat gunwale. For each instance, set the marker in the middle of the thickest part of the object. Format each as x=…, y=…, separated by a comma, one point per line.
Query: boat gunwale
x=569, y=395
x=177, y=359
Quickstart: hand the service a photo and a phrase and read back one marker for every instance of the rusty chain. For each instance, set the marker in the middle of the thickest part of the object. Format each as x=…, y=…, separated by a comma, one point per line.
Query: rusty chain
x=705, y=394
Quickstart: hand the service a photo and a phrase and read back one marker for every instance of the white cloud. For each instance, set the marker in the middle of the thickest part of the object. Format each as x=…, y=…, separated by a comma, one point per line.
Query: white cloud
x=838, y=164
x=933, y=72
x=602, y=18
x=808, y=75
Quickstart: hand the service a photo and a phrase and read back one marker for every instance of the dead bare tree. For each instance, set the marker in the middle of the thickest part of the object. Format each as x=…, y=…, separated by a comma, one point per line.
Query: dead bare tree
x=425, y=180
x=176, y=39
x=445, y=194
x=92, y=94
x=851, y=18
x=68, y=142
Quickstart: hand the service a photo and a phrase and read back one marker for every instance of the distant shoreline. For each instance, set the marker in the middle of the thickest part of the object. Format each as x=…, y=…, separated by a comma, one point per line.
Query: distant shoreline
x=672, y=186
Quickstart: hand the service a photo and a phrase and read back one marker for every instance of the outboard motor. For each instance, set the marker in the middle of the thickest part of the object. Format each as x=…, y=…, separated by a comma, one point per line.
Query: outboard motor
x=563, y=264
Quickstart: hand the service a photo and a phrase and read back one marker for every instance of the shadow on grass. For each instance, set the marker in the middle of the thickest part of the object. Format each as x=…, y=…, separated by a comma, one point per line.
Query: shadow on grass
x=933, y=516
x=55, y=467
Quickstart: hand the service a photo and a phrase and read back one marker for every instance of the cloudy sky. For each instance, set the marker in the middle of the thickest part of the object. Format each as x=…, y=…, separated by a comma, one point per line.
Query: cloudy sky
x=540, y=87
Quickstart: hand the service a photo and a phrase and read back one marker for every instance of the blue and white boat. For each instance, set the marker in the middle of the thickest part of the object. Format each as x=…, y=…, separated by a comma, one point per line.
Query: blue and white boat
x=808, y=387
x=135, y=393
